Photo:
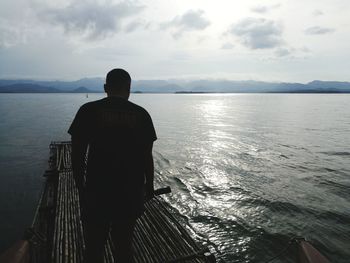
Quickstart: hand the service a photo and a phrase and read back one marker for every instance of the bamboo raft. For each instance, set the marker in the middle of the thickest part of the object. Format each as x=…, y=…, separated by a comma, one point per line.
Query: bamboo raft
x=57, y=234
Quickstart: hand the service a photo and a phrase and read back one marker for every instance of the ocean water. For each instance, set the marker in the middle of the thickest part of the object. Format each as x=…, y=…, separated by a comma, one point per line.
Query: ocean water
x=248, y=171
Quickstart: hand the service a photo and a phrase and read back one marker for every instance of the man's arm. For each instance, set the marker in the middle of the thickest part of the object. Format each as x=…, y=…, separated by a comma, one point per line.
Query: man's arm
x=149, y=172
x=79, y=148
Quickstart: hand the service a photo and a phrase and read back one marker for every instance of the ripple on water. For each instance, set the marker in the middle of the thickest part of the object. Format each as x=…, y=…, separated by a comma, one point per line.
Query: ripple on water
x=335, y=153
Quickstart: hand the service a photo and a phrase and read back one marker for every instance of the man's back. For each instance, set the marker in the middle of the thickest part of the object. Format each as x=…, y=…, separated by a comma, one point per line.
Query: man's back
x=118, y=133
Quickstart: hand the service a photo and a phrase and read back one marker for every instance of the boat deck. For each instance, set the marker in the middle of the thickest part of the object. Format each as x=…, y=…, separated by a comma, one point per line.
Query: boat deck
x=57, y=234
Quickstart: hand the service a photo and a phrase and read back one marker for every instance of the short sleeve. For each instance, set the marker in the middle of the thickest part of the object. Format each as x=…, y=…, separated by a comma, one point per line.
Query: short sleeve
x=148, y=129
x=79, y=126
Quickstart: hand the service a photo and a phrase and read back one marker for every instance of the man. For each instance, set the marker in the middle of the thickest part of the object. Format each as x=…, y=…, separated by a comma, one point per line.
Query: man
x=117, y=137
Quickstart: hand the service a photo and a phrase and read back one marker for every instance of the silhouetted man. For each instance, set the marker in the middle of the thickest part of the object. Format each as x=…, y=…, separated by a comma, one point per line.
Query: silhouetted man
x=117, y=137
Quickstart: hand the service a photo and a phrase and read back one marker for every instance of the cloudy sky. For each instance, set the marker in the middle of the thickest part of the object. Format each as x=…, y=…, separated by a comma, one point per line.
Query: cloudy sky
x=270, y=40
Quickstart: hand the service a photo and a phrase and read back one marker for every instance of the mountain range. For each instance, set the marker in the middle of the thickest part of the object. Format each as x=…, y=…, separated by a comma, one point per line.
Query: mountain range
x=90, y=85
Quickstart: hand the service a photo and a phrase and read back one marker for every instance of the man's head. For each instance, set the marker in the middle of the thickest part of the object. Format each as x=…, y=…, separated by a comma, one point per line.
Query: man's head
x=118, y=83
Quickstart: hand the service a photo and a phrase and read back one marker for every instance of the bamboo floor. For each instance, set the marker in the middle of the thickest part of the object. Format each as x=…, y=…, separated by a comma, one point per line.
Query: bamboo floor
x=57, y=234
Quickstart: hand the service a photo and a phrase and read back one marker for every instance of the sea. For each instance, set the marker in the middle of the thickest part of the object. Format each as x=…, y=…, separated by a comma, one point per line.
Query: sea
x=248, y=172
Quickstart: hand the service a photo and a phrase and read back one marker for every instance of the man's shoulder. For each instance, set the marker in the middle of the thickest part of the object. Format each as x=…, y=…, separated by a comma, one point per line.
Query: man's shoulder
x=137, y=108
x=124, y=105
x=91, y=104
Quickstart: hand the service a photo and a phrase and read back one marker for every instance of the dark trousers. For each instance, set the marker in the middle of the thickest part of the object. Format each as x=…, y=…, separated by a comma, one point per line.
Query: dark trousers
x=96, y=234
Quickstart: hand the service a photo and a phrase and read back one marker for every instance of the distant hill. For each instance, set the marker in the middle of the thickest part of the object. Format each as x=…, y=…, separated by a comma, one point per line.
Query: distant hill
x=82, y=90
x=27, y=88
x=329, y=85
x=89, y=85
x=35, y=88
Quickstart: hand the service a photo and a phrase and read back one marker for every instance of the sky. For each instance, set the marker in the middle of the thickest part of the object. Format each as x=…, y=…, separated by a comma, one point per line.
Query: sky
x=266, y=40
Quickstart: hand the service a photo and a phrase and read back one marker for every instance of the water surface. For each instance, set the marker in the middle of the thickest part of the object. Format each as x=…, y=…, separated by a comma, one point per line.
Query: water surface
x=248, y=171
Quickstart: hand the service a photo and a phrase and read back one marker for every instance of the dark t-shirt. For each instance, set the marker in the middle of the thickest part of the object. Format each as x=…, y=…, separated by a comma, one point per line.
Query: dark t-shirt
x=118, y=133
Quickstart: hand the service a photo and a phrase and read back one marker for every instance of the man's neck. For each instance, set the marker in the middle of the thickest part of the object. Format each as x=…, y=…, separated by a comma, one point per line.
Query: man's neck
x=122, y=96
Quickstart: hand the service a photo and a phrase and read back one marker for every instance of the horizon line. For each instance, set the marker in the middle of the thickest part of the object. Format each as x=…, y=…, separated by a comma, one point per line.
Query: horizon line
x=172, y=79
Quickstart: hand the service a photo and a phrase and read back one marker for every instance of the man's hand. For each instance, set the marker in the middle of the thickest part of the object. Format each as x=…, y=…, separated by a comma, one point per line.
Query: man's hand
x=79, y=148
x=149, y=193
x=149, y=173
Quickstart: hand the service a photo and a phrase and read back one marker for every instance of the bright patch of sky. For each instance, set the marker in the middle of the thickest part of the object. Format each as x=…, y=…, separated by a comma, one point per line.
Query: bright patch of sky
x=270, y=40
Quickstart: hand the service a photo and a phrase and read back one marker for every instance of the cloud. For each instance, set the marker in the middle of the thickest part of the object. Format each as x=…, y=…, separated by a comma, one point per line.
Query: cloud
x=180, y=55
x=10, y=36
x=257, y=33
x=283, y=52
x=227, y=46
x=262, y=9
x=14, y=32
x=317, y=12
x=134, y=25
x=92, y=19
x=317, y=30
x=192, y=20
x=18, y=24
x=305, y=49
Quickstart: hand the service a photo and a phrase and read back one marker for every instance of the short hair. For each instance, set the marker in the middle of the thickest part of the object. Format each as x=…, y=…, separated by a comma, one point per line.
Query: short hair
x=118, y=78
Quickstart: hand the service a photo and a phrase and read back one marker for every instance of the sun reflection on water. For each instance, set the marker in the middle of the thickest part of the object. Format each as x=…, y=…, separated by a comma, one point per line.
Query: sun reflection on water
x=236, y=173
